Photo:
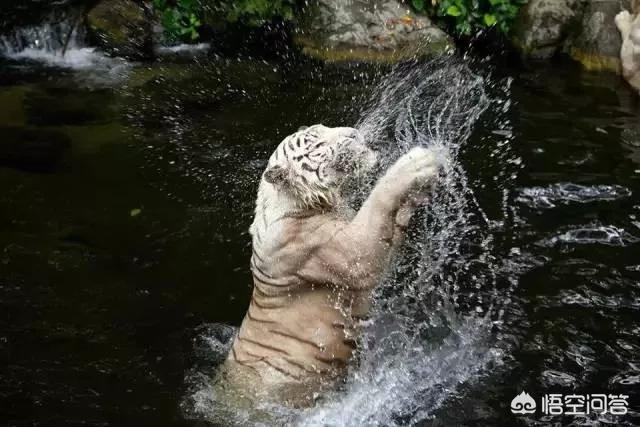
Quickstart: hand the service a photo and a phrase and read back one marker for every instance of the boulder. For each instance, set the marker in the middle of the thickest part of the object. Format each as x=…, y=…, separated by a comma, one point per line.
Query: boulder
x=597, y=43
x=122, y=28
x=543, y=25
x=370, y=30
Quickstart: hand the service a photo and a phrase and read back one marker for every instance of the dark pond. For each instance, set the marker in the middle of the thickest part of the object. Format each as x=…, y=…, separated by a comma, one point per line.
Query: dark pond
x=126, y=193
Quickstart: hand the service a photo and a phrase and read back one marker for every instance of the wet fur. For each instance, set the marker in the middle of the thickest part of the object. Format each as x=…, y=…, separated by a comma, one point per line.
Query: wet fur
x=314, y=269
x=629, y=26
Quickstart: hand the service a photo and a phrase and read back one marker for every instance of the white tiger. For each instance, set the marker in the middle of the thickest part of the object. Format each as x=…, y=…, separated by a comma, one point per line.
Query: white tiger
x=314, y=265
x=629, y=26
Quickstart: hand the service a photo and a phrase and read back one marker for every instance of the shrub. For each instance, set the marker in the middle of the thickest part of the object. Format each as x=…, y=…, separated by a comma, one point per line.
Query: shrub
x=181, y=19
x=257, y=12
x=469, y=16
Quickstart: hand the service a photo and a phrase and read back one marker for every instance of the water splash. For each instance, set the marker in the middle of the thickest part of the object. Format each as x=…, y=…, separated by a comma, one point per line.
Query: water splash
x=404, y=378
x=54, y=35
x=595, y=234
x=185, y=50
x=433, y=320
x=434, y=104
x=547, y=197
x=57, y=43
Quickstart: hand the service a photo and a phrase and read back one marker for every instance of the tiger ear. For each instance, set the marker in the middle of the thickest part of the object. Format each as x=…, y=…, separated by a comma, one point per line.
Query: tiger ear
x=275, y=175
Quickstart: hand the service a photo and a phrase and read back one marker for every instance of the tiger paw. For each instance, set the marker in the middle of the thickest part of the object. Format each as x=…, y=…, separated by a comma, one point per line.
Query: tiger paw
x=623, y=21
x=419, y=164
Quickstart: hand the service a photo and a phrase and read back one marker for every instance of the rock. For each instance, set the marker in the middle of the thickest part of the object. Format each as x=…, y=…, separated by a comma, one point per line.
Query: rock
x=371, y=30
x=543, y=25
x=122, y=28
x=597, y=43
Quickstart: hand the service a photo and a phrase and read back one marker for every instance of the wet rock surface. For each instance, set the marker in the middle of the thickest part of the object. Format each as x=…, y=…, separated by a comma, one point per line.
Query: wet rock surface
x=375, y=30
x=543, y=25
x=122, y=27
x=583, y=29
x=597, y=43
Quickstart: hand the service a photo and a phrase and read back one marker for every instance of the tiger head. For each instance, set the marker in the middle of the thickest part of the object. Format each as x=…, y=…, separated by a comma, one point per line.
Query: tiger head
x=313, y=164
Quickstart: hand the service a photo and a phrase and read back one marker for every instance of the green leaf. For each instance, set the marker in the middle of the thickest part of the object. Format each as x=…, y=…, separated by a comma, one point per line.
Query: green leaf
x=490, y=20
x=463, y=27
x=454, y=11
x=160, y=4
x=418, y=5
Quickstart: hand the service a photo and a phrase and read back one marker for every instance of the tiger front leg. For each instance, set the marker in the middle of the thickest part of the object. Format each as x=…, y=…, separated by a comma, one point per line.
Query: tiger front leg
x=624, y=22
x=359, y=251
x=389, y=207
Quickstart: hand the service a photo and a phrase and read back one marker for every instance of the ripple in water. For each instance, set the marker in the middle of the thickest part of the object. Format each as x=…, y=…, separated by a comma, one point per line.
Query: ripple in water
x=604, y=235
x=186, y=50
x=435, y=318
x=547, y=197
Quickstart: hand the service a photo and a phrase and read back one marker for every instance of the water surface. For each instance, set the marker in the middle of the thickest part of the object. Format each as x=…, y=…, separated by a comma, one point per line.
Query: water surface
x=126, y=193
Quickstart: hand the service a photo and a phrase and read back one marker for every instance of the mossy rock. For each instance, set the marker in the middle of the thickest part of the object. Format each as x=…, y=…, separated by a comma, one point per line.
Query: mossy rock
x=122, y=28
x=543, y=25
x=367, y=31
x=597, y=45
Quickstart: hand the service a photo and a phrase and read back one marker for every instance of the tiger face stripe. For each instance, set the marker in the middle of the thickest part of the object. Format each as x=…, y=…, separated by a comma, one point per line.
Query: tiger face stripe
x=308, y=162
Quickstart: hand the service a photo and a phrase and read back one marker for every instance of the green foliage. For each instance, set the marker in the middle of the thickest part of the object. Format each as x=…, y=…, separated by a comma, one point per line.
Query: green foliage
x=469, y=16
x=257, y=12
x=180, y=19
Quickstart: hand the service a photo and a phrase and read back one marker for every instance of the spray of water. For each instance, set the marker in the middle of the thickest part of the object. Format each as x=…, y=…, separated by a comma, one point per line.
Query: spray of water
x=433, y=321
x=58, y=42
x=426, y=336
